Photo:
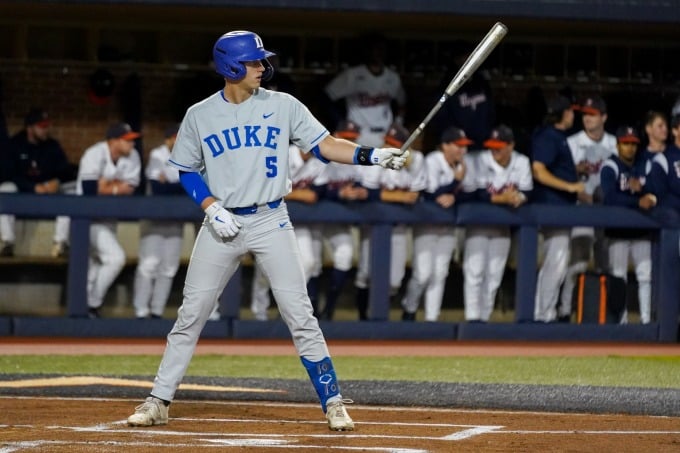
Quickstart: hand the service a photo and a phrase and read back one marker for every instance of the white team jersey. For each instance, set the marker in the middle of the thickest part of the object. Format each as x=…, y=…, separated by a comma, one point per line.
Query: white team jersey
x=242, y=149
x=369, y=176
x=336, y=175
x=157, y=168
x=96, y=163
x=304, y=173
x=412, y=178
x=439, y=172
x=483, y=172
x=585, y=149
x=368, y=96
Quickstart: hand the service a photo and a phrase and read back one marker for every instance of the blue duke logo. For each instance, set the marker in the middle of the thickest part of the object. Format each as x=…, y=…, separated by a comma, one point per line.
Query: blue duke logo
x=247, y=136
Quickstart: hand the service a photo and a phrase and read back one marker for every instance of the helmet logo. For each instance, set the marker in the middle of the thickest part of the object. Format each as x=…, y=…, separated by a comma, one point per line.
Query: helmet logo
x=258, y=41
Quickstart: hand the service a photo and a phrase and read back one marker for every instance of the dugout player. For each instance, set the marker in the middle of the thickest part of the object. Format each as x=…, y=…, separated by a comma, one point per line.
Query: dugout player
x=656, y=130
x=393, y=187
x=160, y=244
x=664, y=176
x=36, y=163
x=499, y=175
x=556, y=183
x=589, y=147
x=433, y=245
x=369, y=90
x=111, y=167
x=619, y=188
x=340, y=183
x=232, y=154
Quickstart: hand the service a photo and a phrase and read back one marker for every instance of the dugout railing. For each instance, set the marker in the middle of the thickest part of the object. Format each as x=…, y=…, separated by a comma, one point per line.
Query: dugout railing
x=525, y=221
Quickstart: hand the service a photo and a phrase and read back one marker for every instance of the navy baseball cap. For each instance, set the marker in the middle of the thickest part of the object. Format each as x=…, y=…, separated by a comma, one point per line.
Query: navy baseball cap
x=37, y=117
x=122, y=130
x=627, y=134
x=396, y=135
x=501, y=137
x=455, y=135
x=557, y=105
x=593, y=106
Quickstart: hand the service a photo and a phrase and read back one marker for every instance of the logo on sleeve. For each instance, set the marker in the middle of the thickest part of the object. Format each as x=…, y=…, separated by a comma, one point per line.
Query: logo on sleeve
x=282, y=224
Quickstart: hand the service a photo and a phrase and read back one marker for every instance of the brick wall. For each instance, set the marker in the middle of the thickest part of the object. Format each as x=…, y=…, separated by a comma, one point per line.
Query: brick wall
x=62, y=90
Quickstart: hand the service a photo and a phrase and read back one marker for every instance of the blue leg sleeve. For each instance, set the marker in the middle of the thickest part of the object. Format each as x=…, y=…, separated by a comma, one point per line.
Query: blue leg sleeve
x=323, y=377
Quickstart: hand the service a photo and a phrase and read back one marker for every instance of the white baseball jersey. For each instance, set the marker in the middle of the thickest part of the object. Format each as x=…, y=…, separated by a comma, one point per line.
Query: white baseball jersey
x=96, y=163
x=585, y=149
x=303, y=174
x=412, y=178
x=157, y=168
x=368, y=96
x=337, y=175
x=485, y=173
x=242, y=149
x=439, y=172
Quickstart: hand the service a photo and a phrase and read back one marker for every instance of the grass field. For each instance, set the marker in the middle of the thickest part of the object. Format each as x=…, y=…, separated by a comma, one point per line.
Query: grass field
x=615, y=371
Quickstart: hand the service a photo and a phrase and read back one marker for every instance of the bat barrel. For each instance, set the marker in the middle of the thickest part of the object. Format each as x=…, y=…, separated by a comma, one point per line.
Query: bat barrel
x=477, y=56
x=474, y=60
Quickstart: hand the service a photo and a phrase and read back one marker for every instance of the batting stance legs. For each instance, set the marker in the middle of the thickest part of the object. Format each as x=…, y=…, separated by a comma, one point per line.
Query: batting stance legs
x=269, y=236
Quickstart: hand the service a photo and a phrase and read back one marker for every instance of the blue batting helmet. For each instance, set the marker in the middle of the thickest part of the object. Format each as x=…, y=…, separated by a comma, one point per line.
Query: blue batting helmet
x=236, y=47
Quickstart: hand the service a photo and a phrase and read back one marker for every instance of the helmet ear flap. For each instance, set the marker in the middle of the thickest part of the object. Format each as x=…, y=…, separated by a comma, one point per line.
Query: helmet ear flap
x=227, y=67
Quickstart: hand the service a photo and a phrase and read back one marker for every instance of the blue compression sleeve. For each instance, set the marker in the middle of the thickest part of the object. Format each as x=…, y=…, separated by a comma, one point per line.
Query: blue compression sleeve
x=323, y=378
x=194, y=185
x=317, y=152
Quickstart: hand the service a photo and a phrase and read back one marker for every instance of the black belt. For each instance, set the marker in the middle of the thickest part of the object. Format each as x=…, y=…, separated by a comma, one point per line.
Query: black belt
x=253, y=209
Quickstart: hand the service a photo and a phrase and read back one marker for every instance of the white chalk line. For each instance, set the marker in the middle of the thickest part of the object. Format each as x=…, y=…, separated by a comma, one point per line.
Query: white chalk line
x=284, y=440
x=12, y=447
x=358, y=406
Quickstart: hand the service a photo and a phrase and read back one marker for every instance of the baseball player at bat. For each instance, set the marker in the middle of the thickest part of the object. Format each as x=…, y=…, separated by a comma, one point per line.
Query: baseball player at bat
x=232, y=154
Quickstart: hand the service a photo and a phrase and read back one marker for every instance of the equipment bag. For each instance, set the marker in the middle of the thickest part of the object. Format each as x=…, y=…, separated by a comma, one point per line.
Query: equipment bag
x=601, y=298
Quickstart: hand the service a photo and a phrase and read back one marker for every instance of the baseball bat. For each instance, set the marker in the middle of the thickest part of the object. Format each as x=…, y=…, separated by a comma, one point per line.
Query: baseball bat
x=474, y=60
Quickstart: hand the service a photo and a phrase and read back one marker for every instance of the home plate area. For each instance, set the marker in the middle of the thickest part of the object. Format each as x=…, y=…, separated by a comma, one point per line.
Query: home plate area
x=52, y=424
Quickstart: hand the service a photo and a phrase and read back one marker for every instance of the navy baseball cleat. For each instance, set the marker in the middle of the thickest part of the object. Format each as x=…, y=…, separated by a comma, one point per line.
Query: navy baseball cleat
x=338, y=418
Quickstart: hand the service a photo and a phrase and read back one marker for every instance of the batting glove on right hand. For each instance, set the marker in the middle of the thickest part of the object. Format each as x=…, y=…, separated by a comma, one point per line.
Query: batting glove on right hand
x=222, y=221
x=391, y=158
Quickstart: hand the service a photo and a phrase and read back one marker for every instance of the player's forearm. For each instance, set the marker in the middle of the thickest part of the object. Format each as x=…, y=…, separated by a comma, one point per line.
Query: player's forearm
x=338, y=150
x=398, y=196
x=545, y=177
x=195, y=186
